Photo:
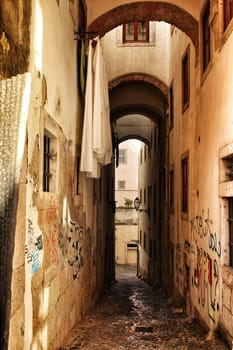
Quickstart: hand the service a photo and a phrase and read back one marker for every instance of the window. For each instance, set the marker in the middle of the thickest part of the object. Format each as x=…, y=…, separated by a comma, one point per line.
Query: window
x=149, y=196
x=155, y=201
x=49, y=164
x=132, y=245
x=121, y=185
x=46, y=166
x=171, y=101
x=185, y=79
x=122, y=156
x=154, y=250
x=185, y=184
x=145, y=196
x=137, y=31
x=230, y=231
x=150, y=248
x=172, y=189
x=77, y=175
x=155, y=138
x=228, y=12
x=144, y=240
x=206, y=36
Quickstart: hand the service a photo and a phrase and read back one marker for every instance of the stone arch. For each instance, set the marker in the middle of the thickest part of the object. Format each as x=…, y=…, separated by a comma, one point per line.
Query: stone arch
x=147, y=10
x=140, y=77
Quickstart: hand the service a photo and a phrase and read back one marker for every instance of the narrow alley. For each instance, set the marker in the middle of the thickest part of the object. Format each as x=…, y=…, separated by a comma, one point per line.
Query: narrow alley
x=116, y=147
x=132, y=315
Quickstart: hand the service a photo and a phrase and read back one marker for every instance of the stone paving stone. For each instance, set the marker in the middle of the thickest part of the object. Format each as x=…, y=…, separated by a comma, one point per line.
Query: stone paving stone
x=132, y=315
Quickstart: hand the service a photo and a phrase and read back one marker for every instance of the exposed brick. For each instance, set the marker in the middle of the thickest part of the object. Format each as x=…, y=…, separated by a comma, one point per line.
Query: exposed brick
x=148, y=10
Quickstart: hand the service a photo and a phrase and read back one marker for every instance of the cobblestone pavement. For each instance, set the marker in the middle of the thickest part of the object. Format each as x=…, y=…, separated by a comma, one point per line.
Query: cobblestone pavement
x=132, y=315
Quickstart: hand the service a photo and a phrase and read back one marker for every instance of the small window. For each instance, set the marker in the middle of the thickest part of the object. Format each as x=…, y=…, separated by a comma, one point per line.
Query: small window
x=185, y=185
x=154, y=250
x=121, y=185
x=137, y=31
x=206, y=36
x=122, y=156
x=150, y=248
x=228, y=12
x=185, y=79
x=77, y=175
x=46, y=165
x=230, y=231
x=171, y=189
x=155, y=201
x=144, y=241
x=171, y=104
x=132, y=245
x=49, y=164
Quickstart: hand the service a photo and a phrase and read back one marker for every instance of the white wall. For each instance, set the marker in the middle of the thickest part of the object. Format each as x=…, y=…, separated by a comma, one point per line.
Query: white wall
x=150, y=58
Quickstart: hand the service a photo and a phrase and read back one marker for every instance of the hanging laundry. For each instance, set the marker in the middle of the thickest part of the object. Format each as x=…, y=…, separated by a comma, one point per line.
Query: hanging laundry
x=102, y=138
x=97, y=138
x=86, y=163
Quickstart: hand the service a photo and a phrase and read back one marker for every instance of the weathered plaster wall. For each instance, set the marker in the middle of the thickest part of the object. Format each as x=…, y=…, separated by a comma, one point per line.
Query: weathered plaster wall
x=151, y=235
x=56, y=267
x=181, y=140
x=200, y=236
x=215, y=129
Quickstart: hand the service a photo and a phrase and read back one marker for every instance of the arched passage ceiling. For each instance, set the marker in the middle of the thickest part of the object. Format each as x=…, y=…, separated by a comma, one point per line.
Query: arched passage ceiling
x=104, y=16
x=134, y=126
x=134, y=101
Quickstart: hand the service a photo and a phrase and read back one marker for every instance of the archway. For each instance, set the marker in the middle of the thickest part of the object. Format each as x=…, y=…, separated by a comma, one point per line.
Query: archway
x=147, y=10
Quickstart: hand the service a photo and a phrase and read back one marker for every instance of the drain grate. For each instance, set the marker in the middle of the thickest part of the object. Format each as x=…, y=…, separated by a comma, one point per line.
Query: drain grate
x=144, y=329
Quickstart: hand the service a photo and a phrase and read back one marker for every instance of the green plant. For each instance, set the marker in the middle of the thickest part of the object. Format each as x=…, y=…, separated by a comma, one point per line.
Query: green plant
x=128, y=202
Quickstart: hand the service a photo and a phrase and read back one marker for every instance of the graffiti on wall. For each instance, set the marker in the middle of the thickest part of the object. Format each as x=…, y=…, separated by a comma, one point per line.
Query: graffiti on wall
x=206, y=279
x=33, y=247
x=70, y=245
x=206, y=273
x=201, y=228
